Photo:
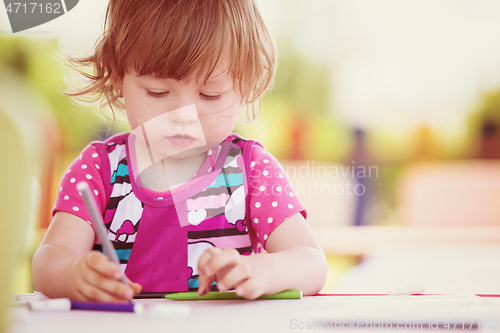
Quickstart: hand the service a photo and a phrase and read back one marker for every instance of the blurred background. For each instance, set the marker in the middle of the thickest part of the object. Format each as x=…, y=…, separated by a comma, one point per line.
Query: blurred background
x=384, y=113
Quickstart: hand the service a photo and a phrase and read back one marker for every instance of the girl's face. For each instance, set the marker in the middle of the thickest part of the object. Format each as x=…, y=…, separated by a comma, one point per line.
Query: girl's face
x=180, y=119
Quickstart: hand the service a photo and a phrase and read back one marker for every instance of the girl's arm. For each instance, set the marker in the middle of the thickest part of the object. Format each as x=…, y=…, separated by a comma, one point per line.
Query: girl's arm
x=295, y=261
x=65, y=266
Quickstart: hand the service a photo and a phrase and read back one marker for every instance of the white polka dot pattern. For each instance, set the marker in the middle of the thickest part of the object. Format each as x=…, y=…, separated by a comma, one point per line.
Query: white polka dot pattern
x=86, y=167
x=271, y=195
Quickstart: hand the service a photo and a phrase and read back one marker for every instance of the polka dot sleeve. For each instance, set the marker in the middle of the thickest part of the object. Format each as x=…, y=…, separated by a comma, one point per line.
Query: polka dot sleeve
x=87, y=167
x=272, y=198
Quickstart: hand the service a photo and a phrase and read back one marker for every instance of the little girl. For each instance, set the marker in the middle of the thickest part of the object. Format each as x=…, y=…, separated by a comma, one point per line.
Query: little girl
x=188, y=204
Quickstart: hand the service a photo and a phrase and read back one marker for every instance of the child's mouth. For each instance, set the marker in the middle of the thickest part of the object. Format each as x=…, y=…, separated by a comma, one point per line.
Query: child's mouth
x=181, y=140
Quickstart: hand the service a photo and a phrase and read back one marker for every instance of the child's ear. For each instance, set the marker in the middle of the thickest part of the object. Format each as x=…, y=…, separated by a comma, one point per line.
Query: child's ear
x=117, y=82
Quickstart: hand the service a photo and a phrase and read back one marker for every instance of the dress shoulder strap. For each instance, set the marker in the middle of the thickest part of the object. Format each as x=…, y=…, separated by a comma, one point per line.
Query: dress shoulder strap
x=247, y=160
x=247, y=157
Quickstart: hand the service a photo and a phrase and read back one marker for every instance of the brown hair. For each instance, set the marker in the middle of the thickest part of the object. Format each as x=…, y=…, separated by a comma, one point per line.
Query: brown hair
x=181, y=39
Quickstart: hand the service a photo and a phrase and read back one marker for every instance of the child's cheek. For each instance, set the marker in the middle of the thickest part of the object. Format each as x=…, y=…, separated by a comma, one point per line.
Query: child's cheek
x=217, y=127
x=210, y=128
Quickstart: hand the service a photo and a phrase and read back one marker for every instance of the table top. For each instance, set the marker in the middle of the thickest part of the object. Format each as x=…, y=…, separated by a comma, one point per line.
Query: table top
x=326, y=312
x=437, y=268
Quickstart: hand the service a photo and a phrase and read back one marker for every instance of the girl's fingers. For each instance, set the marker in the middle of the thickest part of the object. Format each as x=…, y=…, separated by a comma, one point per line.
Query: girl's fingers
x=116, y=288
x=95, y=278
x=95, y=294
x=107, y=277
x=214, y=265
x=249, y=289
x=75, y=294
x=205, y=284
x=222, y=262
x=235, y=276
x=100, y=263
x=205, y=259
x=206, y=277
x=136, y=287
x=80, y=296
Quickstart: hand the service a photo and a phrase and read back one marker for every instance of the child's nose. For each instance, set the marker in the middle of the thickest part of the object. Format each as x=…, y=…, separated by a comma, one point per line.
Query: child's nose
x=184, y=115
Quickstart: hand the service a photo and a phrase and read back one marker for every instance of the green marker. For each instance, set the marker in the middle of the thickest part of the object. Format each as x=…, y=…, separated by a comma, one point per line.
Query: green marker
x=193, y=296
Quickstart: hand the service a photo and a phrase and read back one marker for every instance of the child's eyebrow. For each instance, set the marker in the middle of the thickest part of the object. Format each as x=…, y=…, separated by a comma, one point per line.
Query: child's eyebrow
x=147, y=78
x=217, y=80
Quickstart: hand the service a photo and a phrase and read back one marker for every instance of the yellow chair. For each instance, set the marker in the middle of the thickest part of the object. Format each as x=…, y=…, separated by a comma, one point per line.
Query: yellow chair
x=20, y=142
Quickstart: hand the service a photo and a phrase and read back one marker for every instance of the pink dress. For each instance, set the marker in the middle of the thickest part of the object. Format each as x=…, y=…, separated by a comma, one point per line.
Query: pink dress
x=159, y=237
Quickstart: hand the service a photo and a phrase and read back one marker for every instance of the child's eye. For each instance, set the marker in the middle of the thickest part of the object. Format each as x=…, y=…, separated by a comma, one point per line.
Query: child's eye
x=156, y=94
x=210, y=97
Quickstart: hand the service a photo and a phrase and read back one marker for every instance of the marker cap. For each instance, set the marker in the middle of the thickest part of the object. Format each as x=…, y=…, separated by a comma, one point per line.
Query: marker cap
x=57, y=304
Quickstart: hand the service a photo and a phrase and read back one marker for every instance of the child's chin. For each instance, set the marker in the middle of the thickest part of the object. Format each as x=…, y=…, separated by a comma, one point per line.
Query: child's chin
x=182, y=153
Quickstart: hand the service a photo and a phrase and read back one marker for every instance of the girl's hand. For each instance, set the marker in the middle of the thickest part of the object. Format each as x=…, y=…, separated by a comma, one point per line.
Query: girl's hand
x=95, y=278
x=231, y=271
